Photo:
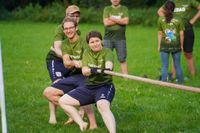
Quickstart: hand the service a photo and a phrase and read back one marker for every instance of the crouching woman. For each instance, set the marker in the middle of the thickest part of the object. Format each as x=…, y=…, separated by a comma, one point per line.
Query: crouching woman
x=98, y=87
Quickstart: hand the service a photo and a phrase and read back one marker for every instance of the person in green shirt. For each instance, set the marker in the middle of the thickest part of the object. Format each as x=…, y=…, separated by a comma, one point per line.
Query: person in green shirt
x=54, y=60
x=72, y=49
x=183, y=10
x=98, y=88
x=170, y=41
x=115, y=19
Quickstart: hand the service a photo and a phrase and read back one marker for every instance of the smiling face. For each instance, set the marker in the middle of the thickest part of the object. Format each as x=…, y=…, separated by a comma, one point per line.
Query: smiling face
x=115, y=2
x=95, y=44
x=70, y=29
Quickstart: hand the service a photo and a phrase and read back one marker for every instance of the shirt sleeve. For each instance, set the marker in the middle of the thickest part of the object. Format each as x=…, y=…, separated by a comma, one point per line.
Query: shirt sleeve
x=84, y=59
x=195, y=4
x=59, y=35
x=109, y=56
x=64, y=48
x=105, y=13
x=126, y=14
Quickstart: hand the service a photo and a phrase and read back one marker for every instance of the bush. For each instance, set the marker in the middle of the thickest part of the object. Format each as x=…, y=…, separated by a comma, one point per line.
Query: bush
x=56, y=12
x=50, y=13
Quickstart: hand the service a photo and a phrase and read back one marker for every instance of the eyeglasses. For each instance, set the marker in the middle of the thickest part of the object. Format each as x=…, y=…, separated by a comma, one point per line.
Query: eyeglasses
x=69, y=28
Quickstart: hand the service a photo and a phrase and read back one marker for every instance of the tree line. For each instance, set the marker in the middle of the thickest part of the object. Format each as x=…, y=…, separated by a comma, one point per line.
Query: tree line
x=11, y=5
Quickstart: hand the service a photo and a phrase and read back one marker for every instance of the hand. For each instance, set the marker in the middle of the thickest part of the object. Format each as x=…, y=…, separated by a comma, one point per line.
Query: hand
x=182, y=48
x=77, y=64
x=158, y=49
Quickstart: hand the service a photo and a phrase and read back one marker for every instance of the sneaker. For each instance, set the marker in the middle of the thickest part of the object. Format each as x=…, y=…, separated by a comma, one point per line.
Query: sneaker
x=185, y=78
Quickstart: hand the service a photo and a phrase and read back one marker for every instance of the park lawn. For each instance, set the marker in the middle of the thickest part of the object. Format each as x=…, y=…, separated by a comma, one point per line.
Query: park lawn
x=137, y=106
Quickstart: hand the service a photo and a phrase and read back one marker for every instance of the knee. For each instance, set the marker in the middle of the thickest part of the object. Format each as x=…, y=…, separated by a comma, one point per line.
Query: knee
x=61, y=101
x=102, y=108
x=188, y=55
x=47, y=92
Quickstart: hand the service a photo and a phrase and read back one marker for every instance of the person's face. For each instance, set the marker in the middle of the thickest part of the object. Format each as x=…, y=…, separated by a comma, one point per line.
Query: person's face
x=115, y=2
x=69, y=29
x=75, y=16
x=95, y=44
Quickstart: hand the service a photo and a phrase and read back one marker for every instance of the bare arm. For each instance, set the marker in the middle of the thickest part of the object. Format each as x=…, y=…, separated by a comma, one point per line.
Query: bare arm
x=57, y=48
x=112, y=21
x=122, y=21
x=196, y=16
x=161, y=11
x=86, y=71
x=159, y=39
x=181, y=39
x=109, y=65
x=68, y=63
x=108, y=22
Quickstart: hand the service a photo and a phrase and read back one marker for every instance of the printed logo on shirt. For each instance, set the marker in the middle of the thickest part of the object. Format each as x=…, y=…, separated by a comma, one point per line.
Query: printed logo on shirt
x=93, y=65
x=181, y=9
x=58, y=74
x=169, y=36
x=78, y=51
x=116, y=16
x=76, y=57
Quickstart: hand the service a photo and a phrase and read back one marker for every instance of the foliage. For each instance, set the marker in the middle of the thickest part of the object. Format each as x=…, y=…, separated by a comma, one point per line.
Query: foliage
x=53, y=13
x=138, y=107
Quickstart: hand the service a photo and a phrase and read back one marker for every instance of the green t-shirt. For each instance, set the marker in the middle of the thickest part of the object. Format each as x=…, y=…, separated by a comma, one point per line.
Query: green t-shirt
x=75, y=51
x=171, y=34
x=115, y=32
x=59, y=36
x=184, y=8
x=97, y=60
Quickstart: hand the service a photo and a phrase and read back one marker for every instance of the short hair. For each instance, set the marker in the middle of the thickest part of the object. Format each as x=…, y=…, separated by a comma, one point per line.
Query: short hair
x=68, y=19
x=93, y=34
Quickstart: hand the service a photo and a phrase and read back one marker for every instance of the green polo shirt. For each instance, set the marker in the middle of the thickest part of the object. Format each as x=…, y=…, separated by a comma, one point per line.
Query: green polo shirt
x=97, y=60
x=115, y=32
x=171, y=34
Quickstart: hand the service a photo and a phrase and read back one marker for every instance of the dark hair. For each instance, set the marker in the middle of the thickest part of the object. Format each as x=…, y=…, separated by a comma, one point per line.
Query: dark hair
x=169, y=9
x=67, y=19
x=93, y=34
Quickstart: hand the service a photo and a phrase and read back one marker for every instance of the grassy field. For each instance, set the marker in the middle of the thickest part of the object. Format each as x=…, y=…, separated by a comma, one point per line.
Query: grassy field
x=138, y=107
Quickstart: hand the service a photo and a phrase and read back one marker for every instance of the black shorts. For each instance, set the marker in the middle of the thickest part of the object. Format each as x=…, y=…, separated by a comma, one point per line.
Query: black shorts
x=188, y=39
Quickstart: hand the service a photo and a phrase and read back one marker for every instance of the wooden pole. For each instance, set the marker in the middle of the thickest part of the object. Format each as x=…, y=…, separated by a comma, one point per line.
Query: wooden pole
x=156, y=82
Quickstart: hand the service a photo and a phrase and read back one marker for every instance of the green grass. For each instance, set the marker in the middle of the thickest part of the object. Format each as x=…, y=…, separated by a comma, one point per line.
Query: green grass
x=137, y=106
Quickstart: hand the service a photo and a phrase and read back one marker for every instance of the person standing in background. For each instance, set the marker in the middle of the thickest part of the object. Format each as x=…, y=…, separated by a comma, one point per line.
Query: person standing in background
x=170, y=41
x=115, y=19
x=183, y=10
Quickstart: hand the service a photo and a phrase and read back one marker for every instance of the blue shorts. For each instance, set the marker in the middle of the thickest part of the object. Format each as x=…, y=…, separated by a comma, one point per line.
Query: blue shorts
x=70, y=83
x=120, y=47
x=57, y=70
x=87, y=96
